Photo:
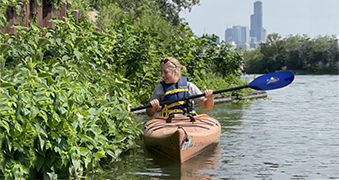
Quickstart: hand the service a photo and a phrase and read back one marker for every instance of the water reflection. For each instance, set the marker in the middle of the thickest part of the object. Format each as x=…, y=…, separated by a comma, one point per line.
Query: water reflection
x=166, y=168
x=145, y=163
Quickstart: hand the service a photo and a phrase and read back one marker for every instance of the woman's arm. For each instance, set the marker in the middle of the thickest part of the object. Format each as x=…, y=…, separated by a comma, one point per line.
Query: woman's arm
x=154, y=109
x=208, y=101
x=157, y=95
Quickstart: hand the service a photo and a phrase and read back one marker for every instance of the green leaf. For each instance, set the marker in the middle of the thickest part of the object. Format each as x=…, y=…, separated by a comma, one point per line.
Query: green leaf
x=124, y=100
x=12, y=91
x=102, y=138
x=91, y=111
x=34, y=111
x=17, y=145
x=55, y=136
x=118, y=81
x=42, y=40
x=17, y=171
x=41, y=97
x=110, y=147
x=99, y=155
x=5, y=125
x=111, y=153
x=5, y=108
x=42, y=142
x=118, y=152
x=43, y=115
x=73, y=156
x=44, y=74
x=25, y=112
x=4, y=47
x=203, y=72
x=63, y=110
x=84, y=151
x=50, y=80
x=119, y=139
x=85, y=138
x=73, y=36
x=5, y=84
x=78, y=54
x=52, y=175
x=39, y=161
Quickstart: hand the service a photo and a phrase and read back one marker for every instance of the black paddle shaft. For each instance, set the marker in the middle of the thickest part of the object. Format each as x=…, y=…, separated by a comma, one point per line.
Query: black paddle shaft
x=190, y=97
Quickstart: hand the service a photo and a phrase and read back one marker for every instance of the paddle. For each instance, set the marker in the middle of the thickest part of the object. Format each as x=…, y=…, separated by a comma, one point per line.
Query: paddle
x=265, y=82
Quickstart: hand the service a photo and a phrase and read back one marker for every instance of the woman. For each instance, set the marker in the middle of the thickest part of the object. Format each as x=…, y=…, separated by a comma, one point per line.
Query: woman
x=172, y=87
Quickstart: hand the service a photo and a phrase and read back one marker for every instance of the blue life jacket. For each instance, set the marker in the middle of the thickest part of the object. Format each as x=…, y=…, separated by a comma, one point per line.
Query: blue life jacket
x=177, y=91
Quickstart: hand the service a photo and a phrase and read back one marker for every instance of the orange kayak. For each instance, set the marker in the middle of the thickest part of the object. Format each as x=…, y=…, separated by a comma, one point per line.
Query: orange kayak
x=181, y=137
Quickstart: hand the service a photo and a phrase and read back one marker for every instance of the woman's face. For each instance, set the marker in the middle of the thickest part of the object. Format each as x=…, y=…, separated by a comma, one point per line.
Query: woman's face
x=168, y=75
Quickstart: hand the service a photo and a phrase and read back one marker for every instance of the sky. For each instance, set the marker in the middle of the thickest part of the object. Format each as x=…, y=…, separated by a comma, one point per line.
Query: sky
x=285, y=17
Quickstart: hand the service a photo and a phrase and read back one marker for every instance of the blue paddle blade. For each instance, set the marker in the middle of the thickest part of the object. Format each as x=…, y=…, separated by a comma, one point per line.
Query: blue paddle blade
x=272, y=81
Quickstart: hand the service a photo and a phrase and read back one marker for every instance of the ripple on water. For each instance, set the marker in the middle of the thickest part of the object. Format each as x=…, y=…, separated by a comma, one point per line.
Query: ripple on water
x=292, y=136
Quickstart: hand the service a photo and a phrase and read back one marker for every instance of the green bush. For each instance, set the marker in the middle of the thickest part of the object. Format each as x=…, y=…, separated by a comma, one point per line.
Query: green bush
x=65, y=92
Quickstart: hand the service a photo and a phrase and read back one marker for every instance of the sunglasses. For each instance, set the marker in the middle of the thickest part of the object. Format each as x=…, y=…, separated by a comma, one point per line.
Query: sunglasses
x=164, y=61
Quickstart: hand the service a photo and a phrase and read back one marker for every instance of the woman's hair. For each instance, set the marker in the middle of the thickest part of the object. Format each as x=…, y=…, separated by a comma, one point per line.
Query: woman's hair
x=174, y=64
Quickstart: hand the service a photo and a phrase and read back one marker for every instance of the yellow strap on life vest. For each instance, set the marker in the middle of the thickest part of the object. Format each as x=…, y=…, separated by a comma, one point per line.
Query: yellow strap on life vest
x=175, y=91
x=176, y=104
x=173, y=111
x=166, y=111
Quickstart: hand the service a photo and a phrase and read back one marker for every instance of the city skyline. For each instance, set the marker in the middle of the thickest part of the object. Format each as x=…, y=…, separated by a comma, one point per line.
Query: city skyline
x=285, y=17
x=242, y=37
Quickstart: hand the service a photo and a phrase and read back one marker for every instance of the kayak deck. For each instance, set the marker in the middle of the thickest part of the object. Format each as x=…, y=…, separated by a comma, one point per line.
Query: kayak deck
x=182, y=137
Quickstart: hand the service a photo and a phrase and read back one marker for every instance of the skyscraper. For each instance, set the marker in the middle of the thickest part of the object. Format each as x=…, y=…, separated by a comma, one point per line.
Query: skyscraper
x=237, y=34
x=228, y=35
x=242, y=36
x=257, y=29
x=245, y=35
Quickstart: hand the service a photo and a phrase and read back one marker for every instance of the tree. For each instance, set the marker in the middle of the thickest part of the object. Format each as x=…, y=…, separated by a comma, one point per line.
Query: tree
x=253, y=62
x=296, y=51
x=169, y=10
x=273, y=52
x=293, y=43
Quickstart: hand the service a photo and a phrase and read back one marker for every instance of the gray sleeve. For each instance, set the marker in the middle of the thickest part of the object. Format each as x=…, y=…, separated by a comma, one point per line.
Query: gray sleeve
x=194, y=90
x=158, y=93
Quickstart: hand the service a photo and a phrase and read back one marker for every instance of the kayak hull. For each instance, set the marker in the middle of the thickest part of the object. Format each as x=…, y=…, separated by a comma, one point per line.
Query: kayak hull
x=182, y=138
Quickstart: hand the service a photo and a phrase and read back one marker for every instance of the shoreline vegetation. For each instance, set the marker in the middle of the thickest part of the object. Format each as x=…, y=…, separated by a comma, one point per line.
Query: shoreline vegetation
x=65, y=92
x=299, y=54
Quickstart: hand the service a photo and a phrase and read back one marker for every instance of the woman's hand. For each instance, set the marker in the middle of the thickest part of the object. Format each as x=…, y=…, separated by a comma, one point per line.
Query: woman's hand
x=155, y=104
x=154, y=109
x=208, y=101
x=209, y=93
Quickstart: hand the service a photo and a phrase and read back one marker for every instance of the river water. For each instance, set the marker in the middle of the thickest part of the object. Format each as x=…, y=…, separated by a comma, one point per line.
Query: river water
x=293, y=134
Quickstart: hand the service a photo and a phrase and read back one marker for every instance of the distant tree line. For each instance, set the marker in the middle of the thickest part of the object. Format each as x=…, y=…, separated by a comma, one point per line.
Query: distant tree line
x=299, y=53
